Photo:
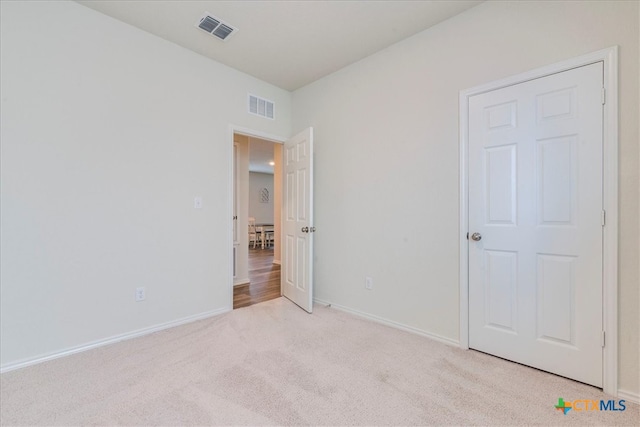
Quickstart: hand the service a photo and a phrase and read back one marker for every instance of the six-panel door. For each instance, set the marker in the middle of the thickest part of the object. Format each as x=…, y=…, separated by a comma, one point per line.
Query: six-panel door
x=297, y=276
x=535, y=197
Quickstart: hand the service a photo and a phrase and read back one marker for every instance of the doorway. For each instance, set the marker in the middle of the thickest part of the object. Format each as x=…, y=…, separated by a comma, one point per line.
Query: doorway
x=257, y=200
x=293, y=227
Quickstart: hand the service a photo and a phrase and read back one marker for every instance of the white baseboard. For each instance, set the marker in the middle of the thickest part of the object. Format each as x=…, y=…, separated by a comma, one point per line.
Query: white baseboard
x=390, y=323
x=239, y=282
x=629, y=396
x=111, y=340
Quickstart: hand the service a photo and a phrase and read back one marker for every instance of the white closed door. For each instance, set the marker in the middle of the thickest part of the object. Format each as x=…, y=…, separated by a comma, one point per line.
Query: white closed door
x=535, y=202
x=297, y=227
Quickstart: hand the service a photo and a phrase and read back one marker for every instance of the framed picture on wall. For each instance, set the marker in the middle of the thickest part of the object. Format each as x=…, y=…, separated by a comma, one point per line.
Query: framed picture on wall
x=264, y=195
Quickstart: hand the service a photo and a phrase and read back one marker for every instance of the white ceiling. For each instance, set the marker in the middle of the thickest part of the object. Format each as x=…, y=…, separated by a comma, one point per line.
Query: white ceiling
x=286, y=43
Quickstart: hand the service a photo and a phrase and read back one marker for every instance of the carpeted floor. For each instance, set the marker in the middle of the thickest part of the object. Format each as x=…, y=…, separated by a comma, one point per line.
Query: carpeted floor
x=273, y=364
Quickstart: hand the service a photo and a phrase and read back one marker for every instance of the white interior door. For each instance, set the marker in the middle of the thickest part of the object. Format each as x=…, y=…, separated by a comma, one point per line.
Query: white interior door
x=297, y=245
x=535, y=200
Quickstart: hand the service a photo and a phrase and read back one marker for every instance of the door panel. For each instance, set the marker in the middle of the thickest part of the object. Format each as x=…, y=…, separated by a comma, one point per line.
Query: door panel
x=501, y=295
x=556, y=180
x=535, y=195
x=501, y=184
x=297, y=282
x=556, y=285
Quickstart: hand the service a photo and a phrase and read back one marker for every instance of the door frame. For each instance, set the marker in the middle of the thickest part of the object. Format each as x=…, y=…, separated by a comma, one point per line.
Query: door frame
x=610, y=199
x=233, y=129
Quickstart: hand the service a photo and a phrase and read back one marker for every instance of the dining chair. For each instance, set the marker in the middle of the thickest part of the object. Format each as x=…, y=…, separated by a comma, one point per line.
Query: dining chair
x=253, y=234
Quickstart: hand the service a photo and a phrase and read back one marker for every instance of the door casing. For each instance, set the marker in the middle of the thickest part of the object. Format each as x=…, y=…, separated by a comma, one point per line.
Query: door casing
x=610, y=198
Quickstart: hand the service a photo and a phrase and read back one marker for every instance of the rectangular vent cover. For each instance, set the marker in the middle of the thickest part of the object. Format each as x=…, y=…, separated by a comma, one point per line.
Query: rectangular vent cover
x=216, y=26
x=262, y=107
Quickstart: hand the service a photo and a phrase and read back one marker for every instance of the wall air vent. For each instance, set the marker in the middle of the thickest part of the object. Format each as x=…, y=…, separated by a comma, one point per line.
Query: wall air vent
x=262, y=107
x=216, y=26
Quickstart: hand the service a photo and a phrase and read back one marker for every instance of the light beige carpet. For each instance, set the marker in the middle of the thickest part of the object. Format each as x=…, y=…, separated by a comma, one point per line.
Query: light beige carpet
x=273, y=364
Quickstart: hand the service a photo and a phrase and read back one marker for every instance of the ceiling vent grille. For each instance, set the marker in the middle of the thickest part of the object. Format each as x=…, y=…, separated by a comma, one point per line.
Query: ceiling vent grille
x=216, y=26
x=262, y=107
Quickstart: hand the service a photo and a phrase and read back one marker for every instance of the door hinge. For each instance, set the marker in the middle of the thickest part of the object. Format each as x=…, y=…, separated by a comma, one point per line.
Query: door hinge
x=603, y=217
x=604, y=96
x=603, y=338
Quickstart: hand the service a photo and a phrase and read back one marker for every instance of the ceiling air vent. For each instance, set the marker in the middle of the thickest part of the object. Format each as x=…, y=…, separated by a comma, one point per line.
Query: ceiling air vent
x=261, y=107
x=216, y=26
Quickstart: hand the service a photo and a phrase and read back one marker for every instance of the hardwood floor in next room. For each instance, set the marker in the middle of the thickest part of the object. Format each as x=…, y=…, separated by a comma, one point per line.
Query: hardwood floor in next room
x=264, y=280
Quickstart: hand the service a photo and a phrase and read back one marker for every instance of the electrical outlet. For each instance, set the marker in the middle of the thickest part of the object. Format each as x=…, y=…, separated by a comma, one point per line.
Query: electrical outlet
x=197, y=202
x=368, y=283
x=141, y=294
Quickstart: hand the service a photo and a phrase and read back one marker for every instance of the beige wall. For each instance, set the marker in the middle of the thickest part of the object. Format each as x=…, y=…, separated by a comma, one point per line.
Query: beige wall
x=386, y=155
x=108, y=133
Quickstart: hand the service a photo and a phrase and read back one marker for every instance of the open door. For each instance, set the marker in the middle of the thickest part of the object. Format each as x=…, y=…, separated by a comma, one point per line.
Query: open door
x=297, y=222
